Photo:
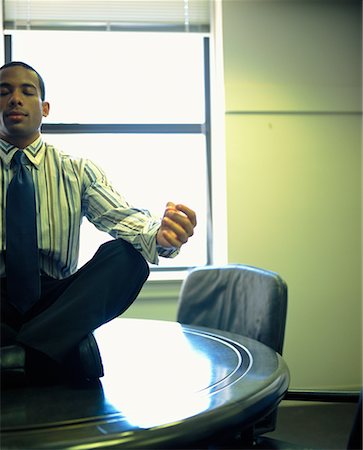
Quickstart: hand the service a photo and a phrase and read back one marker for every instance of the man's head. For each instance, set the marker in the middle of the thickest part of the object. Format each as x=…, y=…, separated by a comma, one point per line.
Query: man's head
x=22, y=104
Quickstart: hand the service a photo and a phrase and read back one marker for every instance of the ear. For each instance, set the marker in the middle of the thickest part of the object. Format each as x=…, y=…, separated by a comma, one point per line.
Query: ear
x=45, y=108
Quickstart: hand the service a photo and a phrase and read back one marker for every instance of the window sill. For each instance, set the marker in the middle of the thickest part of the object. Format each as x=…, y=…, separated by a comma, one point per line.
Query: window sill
x=168, y=275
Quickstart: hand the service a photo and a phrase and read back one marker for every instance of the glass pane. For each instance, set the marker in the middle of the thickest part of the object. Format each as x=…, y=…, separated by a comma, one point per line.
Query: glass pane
x=149, y=170
x=117, y=77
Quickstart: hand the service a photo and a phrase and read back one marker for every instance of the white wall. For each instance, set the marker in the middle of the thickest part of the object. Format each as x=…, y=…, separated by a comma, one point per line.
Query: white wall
x=293, y=123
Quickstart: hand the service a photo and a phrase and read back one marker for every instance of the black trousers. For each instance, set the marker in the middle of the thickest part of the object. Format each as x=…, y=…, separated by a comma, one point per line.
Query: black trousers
x=71, y=308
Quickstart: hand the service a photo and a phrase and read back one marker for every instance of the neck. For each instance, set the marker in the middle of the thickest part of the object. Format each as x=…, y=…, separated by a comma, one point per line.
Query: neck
x=18, y=141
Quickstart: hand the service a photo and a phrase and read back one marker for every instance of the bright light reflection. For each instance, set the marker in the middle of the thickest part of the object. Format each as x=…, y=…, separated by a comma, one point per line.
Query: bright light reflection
x=159, y=377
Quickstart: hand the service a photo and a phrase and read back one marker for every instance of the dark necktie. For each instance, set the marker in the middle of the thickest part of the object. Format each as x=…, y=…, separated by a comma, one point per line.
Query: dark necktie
x=22, y=264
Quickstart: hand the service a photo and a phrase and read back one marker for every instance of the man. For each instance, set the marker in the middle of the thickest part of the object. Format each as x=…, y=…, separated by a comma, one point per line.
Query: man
x=47, y=327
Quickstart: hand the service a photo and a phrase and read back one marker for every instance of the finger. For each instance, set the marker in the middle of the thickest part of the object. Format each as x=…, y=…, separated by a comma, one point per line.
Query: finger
x=170, y=206
x=171, y=238
x=188, y=212
x=181, y=231
x=179, y=222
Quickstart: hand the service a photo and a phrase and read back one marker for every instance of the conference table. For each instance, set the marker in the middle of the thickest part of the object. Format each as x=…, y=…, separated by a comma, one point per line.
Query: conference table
x=166, y=385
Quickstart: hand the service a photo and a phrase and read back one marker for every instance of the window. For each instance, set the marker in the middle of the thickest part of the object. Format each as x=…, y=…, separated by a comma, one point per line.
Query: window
x=135, y=103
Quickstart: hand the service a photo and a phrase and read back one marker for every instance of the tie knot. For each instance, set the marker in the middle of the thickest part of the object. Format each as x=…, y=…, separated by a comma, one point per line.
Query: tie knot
x=20, y=158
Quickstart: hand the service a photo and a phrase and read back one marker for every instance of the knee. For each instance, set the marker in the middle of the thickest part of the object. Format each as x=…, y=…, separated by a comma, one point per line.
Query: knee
x=125, y=257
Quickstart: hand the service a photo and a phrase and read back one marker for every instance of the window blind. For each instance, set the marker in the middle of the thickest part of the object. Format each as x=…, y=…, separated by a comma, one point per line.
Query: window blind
x=139, y=15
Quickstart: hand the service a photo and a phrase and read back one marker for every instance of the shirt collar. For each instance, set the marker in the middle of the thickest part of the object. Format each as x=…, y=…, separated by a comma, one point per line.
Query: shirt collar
x=35, y=151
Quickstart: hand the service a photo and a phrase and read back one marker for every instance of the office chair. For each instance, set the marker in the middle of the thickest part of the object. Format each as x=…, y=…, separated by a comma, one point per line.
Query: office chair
x=240, y=299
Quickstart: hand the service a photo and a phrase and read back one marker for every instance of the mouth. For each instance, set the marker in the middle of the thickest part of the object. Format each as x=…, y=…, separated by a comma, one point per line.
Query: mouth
x=16, y=115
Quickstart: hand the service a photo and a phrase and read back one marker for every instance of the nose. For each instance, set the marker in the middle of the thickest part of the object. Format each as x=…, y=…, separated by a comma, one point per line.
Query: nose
x=16, y=98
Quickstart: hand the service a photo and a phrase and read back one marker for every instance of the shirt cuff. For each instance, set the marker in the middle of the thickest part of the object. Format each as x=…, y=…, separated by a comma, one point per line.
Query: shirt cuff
x=167, y=252
x=150, y=249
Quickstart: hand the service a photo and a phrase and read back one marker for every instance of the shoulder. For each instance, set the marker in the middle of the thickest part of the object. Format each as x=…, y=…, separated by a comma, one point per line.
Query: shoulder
x=57, y=154
x=84, y=167
x=54, y=155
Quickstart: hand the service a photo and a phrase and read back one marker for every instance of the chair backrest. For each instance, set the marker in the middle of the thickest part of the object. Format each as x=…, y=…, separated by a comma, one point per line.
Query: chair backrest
x=237, y=298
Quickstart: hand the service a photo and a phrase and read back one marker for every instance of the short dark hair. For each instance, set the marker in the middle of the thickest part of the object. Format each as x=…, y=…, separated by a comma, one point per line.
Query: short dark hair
x=26, y=66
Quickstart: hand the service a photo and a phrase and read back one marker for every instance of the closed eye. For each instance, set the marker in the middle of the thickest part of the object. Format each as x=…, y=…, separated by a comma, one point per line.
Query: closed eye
x=29, y=91
x=4, y=91
x=26, y=89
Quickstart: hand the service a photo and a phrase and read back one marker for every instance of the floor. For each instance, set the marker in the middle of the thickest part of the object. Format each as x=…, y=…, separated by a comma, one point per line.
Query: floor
x=313, y=425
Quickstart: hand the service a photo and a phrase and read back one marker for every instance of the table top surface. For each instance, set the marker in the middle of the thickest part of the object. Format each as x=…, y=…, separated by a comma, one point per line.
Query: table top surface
x=164, y=384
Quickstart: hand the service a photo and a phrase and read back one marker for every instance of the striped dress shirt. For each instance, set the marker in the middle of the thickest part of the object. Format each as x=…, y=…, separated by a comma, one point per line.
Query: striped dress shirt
x=66, y=189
